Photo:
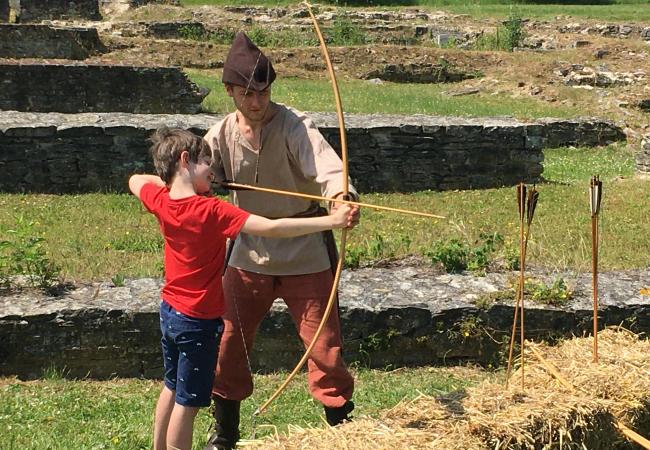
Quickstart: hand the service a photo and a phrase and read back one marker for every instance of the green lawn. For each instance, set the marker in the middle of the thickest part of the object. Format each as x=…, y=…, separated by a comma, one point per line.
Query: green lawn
x=99, y=236
x=387, y=98
x=616, y=10
x=58, y=414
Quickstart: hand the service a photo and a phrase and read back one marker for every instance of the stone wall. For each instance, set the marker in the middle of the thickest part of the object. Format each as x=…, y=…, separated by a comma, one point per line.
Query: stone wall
x=398, y=316
x=37, y=10
x=44, y=41
x=4, y=10
x=61, y=153
x=643, y=156
x=108, y=7
x=76, y=87
x=610, y=30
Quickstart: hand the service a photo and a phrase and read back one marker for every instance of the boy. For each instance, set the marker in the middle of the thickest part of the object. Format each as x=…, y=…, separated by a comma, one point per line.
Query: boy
x=195, y=228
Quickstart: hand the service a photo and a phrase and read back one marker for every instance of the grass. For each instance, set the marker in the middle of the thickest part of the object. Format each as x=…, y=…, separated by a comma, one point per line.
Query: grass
x=616, y=10
x=55, y=413
x=98, y=236
x=387, y=98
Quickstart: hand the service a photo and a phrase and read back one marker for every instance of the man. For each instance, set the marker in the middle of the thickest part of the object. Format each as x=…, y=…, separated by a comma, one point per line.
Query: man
x=270, y=145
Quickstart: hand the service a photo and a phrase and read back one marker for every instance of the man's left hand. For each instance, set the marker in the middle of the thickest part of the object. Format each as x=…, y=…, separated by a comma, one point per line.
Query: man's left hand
x=355, y=217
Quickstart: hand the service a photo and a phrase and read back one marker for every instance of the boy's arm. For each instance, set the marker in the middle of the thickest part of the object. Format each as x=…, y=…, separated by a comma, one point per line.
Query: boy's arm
x=283, y=228
x=137, y=181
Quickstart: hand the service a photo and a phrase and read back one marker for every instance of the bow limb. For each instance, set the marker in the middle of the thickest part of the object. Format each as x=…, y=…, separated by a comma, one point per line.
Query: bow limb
x=346, y=188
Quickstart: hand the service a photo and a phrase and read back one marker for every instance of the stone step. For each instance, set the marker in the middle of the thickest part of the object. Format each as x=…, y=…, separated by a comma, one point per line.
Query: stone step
x=37, y=10
x=45, y=41
x=66, y=153
x=33, y=86
x=395, y=316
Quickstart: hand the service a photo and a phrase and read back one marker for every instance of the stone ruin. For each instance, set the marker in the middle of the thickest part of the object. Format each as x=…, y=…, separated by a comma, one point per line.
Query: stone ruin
x=86, y=150
x=118, y=6
x=4, y=10
x=32, y=83
x=38, y=10
x=643, y=157
x=77, y=87
x=391, y=316
x=90, y=152
x=44, y=41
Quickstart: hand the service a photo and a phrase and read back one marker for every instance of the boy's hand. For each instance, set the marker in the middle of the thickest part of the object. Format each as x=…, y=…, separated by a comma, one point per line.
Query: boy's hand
x=344, y=216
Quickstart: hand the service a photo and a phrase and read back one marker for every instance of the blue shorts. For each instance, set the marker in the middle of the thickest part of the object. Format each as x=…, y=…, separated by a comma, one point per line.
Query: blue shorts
x=189, y=348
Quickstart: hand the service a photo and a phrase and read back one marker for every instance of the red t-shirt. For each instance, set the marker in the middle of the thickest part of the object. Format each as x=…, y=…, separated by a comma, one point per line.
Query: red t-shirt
x=195, y=231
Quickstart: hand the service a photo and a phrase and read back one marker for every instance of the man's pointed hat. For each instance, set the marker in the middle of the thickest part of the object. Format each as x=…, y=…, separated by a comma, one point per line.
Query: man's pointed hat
x=247, y=66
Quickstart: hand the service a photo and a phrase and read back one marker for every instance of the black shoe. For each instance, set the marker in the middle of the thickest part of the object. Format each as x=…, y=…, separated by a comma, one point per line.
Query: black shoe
x=226, y=426
x=339, y=415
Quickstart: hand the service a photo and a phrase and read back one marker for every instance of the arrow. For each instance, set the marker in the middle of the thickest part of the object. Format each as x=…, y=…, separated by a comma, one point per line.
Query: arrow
x=247, y=187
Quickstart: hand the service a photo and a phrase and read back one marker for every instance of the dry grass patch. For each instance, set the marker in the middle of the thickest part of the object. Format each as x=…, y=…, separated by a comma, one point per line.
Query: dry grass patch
x=545, y=414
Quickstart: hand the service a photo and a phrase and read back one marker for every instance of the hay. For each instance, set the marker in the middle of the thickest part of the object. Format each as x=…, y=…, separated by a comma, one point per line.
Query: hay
x=581, y=413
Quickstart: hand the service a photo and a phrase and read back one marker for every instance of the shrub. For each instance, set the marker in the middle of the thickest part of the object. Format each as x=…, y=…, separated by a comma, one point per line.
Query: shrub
x=192, y=32
x=456, y=256
x=452, y=255
x=346, y=32
x=508, y=36
x=25, y=254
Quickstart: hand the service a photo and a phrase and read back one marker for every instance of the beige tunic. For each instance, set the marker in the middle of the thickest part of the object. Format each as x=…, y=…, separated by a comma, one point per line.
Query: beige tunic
x=294, y=156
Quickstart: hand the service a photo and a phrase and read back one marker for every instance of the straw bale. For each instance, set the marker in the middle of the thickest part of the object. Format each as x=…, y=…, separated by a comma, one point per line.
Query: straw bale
x=546, y=414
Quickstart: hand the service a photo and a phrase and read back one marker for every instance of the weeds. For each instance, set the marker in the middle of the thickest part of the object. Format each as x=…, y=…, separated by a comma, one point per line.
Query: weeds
x=118, y=280
x=374, y=249
x=345, y=32
x=507, y=37
x=557, y=293
x=194, y=32
x=457, y=256
x=137, y=242
x=25, y=254
x=265, y=37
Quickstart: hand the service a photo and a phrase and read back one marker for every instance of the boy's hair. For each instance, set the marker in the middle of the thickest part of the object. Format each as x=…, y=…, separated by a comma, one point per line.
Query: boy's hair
x=169, y=143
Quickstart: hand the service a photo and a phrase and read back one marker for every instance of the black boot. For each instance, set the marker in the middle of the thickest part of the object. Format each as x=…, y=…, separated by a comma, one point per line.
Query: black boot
x=226, y=428
x=339, y=415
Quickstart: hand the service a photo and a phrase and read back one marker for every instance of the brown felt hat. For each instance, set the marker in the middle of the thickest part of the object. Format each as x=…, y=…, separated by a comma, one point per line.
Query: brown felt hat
x=247, y=66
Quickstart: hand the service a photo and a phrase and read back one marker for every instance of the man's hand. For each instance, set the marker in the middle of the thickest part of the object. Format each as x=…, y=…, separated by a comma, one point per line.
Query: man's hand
x=356, y=212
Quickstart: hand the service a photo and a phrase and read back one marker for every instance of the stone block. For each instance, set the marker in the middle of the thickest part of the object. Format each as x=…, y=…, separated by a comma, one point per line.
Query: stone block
x=4, y=10
x=44, y=41
x=643, y=156
x=75, y=87
x=38, y=10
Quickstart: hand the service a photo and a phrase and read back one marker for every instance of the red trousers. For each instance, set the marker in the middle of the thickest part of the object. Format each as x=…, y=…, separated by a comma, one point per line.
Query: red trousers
x=251, y=295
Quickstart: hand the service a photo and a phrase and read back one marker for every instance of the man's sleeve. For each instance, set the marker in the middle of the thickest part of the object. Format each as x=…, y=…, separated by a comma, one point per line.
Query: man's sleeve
x=213, y=137
x=318, y=159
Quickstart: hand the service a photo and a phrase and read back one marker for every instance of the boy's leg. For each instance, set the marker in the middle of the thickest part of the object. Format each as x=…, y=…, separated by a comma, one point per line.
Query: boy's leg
x=330, y=381
x=196, y=342
x=167, y=397
x=181, y=426
x=164, y=409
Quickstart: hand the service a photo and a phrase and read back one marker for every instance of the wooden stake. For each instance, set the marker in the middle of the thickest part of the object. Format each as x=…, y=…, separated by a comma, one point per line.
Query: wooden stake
x=521, y=204
x=595, y=196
